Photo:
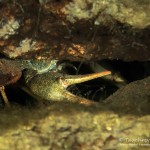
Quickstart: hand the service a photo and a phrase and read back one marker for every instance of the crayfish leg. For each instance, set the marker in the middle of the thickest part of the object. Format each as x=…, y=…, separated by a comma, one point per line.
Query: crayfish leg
x=4, y=96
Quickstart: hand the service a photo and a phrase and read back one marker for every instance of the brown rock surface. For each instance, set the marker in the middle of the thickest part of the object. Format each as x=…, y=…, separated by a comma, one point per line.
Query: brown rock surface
x=53, y=30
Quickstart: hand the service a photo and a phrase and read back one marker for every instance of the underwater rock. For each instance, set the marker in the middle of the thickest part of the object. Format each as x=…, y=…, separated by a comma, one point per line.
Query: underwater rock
x=77, y=30
x=74, y=126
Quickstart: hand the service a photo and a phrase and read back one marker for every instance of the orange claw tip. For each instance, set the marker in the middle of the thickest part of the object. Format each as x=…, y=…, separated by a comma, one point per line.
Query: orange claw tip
x=104, y=73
